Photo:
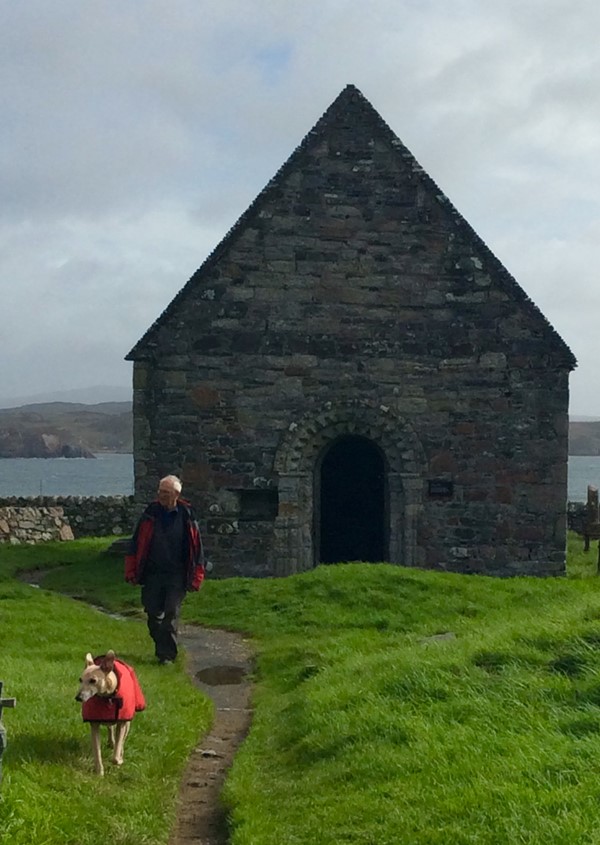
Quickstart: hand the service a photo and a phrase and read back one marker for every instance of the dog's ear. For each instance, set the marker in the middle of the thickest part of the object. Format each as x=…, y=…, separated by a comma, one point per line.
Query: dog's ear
x=89, y=660
x=107, y=664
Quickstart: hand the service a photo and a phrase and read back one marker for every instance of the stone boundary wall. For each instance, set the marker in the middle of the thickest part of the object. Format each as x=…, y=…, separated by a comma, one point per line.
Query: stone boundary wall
x=33, y=525
x=29, y=519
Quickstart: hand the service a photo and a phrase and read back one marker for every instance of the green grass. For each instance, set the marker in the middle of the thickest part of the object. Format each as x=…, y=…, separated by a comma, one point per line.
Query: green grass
x=49, y=793
x=369, y=726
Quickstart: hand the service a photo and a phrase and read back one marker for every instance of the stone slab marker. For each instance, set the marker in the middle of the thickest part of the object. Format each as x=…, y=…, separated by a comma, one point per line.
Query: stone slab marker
x=4, y=702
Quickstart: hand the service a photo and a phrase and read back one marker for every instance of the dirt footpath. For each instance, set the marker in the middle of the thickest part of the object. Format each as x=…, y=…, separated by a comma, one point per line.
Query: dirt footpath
x=220, y=663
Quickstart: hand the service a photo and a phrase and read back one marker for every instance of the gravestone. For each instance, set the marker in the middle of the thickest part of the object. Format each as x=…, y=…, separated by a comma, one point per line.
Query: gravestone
x=4, y=702
x=590, y=528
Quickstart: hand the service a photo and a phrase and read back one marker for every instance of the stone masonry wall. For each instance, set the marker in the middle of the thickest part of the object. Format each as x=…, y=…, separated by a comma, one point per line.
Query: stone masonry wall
x=31, y=519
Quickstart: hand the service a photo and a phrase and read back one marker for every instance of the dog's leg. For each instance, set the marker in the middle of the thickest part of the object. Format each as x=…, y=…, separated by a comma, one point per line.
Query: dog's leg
x=111, y=736
x=121, y=736
x=96, y=750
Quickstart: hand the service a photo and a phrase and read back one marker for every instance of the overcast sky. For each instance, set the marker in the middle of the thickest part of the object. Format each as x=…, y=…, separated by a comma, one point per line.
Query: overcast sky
x=133, y=134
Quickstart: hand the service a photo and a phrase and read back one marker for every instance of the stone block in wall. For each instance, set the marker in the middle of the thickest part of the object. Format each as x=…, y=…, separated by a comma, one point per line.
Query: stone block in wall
x=85, y=516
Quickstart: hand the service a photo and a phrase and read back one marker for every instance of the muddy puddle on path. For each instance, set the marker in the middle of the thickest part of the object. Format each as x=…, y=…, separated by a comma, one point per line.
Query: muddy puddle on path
x=216, y=676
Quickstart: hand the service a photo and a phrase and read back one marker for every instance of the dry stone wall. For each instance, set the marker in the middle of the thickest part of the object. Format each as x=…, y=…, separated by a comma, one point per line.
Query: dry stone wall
x=33, y=525
x=35, y=519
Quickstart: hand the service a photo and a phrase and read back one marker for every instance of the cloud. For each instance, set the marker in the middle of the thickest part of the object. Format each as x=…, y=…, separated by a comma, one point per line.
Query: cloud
x=136, y=134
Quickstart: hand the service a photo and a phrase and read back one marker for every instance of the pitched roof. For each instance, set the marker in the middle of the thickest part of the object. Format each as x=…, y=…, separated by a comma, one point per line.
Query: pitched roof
x=354, y=107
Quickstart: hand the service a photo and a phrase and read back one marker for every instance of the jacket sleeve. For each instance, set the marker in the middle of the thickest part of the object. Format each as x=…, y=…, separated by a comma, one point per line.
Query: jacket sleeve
x=196, y=557
x=132, y=558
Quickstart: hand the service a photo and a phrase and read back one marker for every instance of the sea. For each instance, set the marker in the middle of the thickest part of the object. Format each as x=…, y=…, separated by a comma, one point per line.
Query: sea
x=112, y=475
x=109, y=474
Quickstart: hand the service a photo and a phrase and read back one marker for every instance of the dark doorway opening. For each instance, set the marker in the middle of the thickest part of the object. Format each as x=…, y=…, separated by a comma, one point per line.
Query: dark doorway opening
x=352, y=502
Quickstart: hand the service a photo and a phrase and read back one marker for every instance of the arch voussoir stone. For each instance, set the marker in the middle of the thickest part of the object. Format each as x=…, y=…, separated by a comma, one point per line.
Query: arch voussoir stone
x=395, y=434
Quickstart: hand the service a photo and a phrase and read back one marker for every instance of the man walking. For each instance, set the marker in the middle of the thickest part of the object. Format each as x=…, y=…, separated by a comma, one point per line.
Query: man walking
x=166, y=558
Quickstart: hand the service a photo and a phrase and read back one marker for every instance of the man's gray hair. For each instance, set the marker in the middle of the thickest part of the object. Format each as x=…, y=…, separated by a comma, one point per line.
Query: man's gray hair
x=173, y=481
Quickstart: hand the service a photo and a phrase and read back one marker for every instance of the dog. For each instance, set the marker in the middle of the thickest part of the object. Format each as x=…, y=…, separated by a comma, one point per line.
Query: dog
x=110, y=694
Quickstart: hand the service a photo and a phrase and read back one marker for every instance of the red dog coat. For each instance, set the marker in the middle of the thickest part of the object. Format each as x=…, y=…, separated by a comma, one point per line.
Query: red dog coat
x=127, y=700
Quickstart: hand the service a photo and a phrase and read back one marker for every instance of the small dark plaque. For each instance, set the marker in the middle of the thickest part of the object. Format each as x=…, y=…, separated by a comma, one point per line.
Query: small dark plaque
x=440, y=488
x=258, y=505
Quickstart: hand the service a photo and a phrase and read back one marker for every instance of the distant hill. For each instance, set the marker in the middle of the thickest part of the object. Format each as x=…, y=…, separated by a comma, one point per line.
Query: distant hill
x=584, y=437
x=48, y=429
x=65, y=429
x=92, y=395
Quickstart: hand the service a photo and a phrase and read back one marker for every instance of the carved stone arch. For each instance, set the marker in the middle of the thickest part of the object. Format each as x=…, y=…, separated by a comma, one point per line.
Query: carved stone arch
x=296, y=461
x=308, y=435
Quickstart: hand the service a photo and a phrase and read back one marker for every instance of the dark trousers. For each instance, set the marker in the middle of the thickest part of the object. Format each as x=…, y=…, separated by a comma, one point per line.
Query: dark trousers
x=162, y=603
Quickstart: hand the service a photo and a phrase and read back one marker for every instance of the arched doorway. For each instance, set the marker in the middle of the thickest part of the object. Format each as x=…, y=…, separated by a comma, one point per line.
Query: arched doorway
x=351, y=515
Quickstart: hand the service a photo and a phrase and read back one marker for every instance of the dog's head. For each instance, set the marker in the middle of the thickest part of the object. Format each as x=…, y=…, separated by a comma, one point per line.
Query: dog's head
x=97, y=679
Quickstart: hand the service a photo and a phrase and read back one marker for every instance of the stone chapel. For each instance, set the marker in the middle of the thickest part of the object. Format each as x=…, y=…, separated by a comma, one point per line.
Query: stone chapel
x=353, y=375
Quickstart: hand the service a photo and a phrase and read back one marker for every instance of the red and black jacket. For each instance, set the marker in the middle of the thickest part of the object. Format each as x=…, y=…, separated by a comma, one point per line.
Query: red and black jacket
x=137, y=557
